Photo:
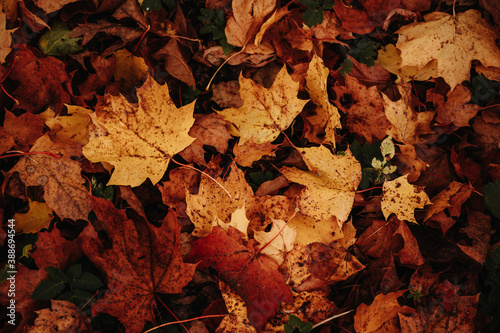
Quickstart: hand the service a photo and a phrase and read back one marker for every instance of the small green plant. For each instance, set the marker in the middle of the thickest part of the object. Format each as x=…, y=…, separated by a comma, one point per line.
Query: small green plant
x=214, y=22
x=414, y=295
x=150, y=5
x=296, y=325
x=74, y=286
x=346, y=67
x=375, y=161
x=314, y=12
x=365, y=52
x=101, y=191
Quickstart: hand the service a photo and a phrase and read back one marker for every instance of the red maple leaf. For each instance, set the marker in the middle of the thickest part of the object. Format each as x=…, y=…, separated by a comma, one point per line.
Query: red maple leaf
x=255, y=278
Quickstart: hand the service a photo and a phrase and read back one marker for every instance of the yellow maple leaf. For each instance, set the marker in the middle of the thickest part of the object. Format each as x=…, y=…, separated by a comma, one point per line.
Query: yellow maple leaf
x=73, y=126
x=141, y=138
x=37, y=218
x=401, y=198
x=453, y=40
x=330, y=187
x=316, y=79
x=130, y=70
x=5, y=37
x=281, y=239
x=406, y=123
x=265, y=112
x=239, y=221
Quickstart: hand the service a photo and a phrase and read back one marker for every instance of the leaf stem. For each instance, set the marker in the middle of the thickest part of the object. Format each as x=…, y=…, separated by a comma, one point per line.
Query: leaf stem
x=183, y=321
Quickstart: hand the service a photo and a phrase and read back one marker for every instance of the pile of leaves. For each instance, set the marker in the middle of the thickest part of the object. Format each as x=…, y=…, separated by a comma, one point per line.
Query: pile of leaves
x=250, y=166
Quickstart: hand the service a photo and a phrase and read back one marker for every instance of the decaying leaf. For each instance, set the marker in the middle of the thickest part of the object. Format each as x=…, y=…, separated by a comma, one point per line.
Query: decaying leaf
x=278, y=241
x=265, y=112
x=141, y=139
x=60, y=178
x=63, y=316
x=401, y=198
x=143, y=262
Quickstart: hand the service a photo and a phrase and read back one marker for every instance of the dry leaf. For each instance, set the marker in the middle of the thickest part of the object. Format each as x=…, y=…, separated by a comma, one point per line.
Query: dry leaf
x=249, y=152
x=63, y=317
x=141, y=138
x=265, y=112
x=453, y=40
x=60, y=178
x=316, y=80
x=401, y=198
x=330, y=184
x=281, y=238
x=37, y=218
x=5, y=37
x=130, y=70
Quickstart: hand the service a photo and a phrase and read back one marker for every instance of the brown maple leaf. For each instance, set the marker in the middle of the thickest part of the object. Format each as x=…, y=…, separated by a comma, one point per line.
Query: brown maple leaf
x=144, y=261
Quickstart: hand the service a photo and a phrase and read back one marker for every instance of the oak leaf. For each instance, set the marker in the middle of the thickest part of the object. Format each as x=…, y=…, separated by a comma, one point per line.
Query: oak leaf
x=144, y=261
x=256, y=279
x=330, y=184
x=141, y=138
x=401, y=198
x=265, y=112
x=60, y=178
x=453, y=40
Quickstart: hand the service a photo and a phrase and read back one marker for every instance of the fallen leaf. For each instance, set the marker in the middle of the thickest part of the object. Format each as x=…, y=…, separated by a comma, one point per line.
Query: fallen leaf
x=316, y=80
x=256, y=279
x=277, y=241
x=265, y=112
x=25, y=129
x=130, y=71
x=141, y=138
x=353, y=19
x=453, y=40
x=210, y=130
x=478, y=230
x=175, y=60
x=52, y=6
x=456, y=109
x=237, y=318
x=407, y=124
x=330, y=184
x=409, y=162
x=390, y=59
x=247, y=18
x=382, y=315
x=239, y=221
x=330, y=29
x=213, y=202
x=60, y=178
x=410, y=254
x=401, y=198
x=37, y=218
x=249, y=152
x=143, y=262
x=50, y=87
x=63, y=316
x=447, y=205
x=5, y=37
x=71, y=127
x=363, y=108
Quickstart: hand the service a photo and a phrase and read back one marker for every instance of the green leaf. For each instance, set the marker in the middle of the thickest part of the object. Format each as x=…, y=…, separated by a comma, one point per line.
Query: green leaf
x=313, y=16
x=365, y=52
x=87, y=281
x=56, y=42
x=48, y=289
x=492, y=197
x=346, y=67
x=74, y=271
x=57, y=274
x=310, y=3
